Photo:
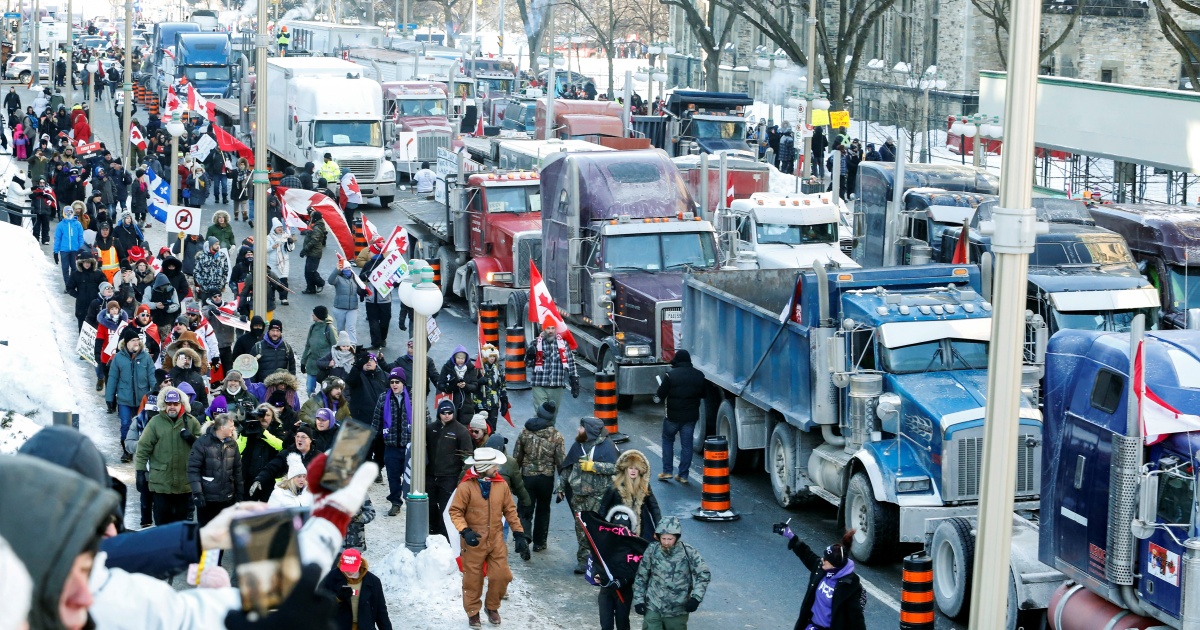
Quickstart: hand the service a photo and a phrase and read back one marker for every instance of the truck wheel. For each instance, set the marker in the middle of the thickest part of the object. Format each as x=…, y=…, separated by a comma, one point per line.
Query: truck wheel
x=385, y=202
x=514, y=312
x=446, y=257
x=877, y=523
x=707, y=421
x=609, y=361
x=727, y=426
x=472, y=292
x=781, y=466
x=953, y=555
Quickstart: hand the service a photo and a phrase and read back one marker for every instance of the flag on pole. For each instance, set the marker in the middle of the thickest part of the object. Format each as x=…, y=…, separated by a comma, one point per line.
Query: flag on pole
x=172, y=103
x=479, y=127
x=350, y=192
x=397, y=241
x=729, y=192
x=542, y=309
x=792, y=310
x=960, y=248
x=136, y=138
x=303, y=201
x=1159, y=418
x=290, y=218
x=369, y=231
x=160, y=195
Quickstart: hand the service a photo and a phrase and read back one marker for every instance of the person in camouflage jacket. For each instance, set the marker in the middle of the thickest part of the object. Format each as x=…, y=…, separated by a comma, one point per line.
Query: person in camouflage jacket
x=585, y=474
x=671, y=580
x=493, y=392
x=356, y=534
x=539, y=452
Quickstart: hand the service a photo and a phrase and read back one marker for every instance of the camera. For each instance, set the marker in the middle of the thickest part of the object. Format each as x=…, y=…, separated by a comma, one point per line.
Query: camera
x=777, y=528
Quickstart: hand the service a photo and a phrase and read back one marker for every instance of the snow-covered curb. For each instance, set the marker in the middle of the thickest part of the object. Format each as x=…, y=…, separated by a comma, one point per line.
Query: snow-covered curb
x=15, y=430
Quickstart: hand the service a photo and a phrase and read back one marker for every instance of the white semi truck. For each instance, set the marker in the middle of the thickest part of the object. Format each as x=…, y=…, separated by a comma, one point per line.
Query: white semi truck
x=319, y=105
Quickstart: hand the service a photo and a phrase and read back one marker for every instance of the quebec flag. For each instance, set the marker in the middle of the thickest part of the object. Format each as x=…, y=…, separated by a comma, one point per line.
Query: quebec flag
x=160, y=195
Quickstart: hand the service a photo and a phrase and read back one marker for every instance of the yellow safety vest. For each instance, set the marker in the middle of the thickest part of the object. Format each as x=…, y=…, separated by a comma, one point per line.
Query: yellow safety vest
x=109, y=263
x=283, y=40
x=331, y=172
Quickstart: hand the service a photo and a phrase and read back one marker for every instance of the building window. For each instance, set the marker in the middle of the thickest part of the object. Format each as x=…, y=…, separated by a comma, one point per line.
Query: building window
x=1184, y=81
x=902, y=32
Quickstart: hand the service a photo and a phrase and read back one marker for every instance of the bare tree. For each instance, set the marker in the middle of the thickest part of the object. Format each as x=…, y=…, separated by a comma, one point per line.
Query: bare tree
x=711, y=36
x=536, y=16
x=840, y=38
x=449, y=16
x=607, y=20
x=1179, y=39
x=998, y=11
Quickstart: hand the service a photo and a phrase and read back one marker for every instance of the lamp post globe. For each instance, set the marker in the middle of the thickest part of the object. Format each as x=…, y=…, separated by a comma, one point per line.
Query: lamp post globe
x=425, y=299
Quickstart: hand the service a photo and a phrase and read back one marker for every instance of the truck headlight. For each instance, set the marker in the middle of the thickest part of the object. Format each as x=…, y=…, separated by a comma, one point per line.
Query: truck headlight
x=499, y=276
x=637, y=350
x=913, y=484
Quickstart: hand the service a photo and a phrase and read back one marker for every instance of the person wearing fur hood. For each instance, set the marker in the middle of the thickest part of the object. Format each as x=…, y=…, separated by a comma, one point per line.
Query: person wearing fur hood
x=630, y=499
x=162, y=456
x=185, y=368
x=332, y=396
x=291, y=491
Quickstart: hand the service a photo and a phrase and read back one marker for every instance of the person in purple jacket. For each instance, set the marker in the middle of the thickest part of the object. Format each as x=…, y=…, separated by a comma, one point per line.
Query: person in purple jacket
x=835, y=598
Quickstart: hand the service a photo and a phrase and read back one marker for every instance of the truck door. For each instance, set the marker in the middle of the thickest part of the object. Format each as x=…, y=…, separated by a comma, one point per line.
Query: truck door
x=476, y=220
x=1160, y=557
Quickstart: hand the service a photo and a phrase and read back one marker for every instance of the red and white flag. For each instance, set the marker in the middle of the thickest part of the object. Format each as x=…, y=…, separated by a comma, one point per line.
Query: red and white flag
x=136, y=138
x=729, y=190
x=350, y=192
x=369, y=230
x=479, y=128
x=397, y=241
x=302, y=201
x=542, y=309
x=172, y=104
x=1159, y=418
x=197, y=103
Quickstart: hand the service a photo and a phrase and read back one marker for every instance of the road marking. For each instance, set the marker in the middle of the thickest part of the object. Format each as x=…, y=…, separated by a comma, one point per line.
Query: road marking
x=879, y=594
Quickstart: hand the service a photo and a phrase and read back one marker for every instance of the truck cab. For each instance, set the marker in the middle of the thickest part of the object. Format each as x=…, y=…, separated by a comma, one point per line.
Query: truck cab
x=789, y=231
x=598, y=122
x=744, y=177
x=416, y=122
x=520, y=116
x=1162, y=239
x=206, y=60
x=712, y=121
x=164, y=39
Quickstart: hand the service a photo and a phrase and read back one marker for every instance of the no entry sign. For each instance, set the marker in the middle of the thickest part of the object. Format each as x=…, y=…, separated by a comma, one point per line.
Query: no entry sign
x=181, y=219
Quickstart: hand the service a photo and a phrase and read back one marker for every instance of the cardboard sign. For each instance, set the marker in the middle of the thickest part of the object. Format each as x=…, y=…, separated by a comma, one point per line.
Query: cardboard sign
x=432, y=332
x=185, y=220
x=86, y=346
x=203, y=147
x=839, y=120
x=84, y=150
x=820, y=117
x=387, y=274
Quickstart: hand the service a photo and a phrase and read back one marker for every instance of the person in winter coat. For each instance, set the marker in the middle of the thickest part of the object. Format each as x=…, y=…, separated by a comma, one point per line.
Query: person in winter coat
x=834, y=598
x=162, y=456
x=345, y=299
x=273, y=353
x=872, y=155
x=292, y=490
x=68, y=240
x=280, y=466
x=630, y=502
x=447, y=444
x=887, y=152
x=222, y=333
x=258, y=446
x=215, y=469
x=787, y=153
x=367, y=380
x=144, y=325
x=120, y=185
x=84, y=284
x=539, y=452
x=683, y=387
x=584, y=475
x=210, y=270
x=196, y=187
x=493, y=390
x=324, y=430
x=221, y=229
x=243, y=190
x=311, y=251
x=332, y=396
x=479, y=502
x=125, y=289
x=553, y=366
x=185, y=249
x=164, y=303
x=671, y=580
x=139, y=199
x=322, y=337
x=246, y=294
x=245, y=342
x=340, y=359
x=392, y=421
x=406, y=362
x=278, y=261
x=188, y=367
x=130, y=379
x=360, y=601
x=107, y=252
x=460, y=381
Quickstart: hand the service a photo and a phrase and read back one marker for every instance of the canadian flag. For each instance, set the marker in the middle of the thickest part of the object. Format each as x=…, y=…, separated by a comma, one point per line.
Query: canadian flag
x=200, y=104
x=300, y=202
x=542, y=309
x=397, y=241
x=479, y=128
x=369, y=231
x=1159, y=418
x=729, y=189
x=173, y=104
x=350, y=191
x=136, y=137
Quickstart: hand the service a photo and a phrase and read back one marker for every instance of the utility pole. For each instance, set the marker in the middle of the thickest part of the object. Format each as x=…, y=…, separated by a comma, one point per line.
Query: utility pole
x=127, y=88
x=70, y=79
x=35, y=50
x=1013, y=230
x=500, y=28
x=260, y=165
x=810, y=52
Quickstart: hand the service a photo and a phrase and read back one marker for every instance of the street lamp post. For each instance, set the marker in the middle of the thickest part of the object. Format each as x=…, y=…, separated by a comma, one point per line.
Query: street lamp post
x=425, y=298
x=127, y=87
x=175, y=128
x=261, y=44
x=70, y=78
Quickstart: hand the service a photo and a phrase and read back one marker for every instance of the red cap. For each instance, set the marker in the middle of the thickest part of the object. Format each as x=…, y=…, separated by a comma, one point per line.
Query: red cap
x=351, y=561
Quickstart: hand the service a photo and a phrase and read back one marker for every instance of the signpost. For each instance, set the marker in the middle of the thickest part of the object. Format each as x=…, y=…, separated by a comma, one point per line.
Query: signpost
x=183, y=219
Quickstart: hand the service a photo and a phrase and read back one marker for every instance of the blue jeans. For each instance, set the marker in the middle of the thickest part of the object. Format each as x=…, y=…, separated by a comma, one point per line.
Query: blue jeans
x=312, y=384
x=126, y=414
x=685, y=445
x=67, y=260
x=393, y=463
x=221, y=186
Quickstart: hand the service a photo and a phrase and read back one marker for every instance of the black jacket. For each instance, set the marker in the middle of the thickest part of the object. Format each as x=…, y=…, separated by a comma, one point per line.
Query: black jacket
x=462, y=397
x=447, y=445
x=683, y=388
x=84, y=285
x=848, y=595
x=277, y=467
x=215, y=468
x=647, y=521
x=372, y=609
x=363, y=387
x=272, y=357
x=245, y=342
x=406, y=362
x=256, y=455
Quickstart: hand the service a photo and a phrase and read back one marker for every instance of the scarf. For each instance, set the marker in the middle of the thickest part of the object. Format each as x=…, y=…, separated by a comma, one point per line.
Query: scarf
x=387, y=410
x=267, y=340
x=342, y=359
x=539, y=358
x=460, y=370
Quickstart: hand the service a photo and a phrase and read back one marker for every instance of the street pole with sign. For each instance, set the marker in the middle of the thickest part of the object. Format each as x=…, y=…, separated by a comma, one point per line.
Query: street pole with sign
x=419, y=292
x=175, y=128
x=127, y=88
x=70, y=78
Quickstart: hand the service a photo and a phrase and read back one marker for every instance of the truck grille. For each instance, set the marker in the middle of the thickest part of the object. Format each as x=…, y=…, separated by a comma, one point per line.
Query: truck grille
x=526, y=248
x=363, y=169
x=670, y=318
x=428, y=145
x=963, y=465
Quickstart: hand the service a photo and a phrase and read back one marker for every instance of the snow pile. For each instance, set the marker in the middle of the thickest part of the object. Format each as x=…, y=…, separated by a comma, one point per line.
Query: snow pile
x=15, y=430
x=34, y=377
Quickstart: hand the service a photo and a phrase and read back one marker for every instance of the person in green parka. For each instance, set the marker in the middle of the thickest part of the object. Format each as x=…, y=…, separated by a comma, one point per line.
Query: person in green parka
x=162, y=456
x=221, y=229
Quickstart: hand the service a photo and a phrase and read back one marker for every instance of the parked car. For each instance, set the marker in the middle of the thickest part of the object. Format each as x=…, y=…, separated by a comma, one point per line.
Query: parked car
x=19, y=68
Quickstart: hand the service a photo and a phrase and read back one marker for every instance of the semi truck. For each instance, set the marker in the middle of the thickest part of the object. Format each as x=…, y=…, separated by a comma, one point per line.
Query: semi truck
x=743, y=178
x=163, y=39
x=323, y=105
x=1118, y=514
x=330, y=38
x=864, y=388
x=712, y=121
x=599, y=122
x=415, y=123
x=618, y=234
x=788, y=231
x=1163, y=241
x=206, y=59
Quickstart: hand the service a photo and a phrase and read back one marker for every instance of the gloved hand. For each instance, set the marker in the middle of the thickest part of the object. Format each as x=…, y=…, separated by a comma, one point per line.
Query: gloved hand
x=615, y=583
x=187, y=436
x=56, y=258
x=198, y=500
x=522, y=545
x=504, y=406
x=215, y=535
x=112, y=406
x=143, y=481
x=305, y=607
x=785, y=531
x=471, y=537
x=345, y=593
x=254, y=487
x=639, y=608
x=691, y=605
x=303, y=370
x=215, y=364
x=574, y=386
x=340, y=506
x=587, y=465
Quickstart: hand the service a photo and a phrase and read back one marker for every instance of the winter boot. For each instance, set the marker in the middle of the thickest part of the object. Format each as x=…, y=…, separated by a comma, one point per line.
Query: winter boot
x=126, y=457
x=493, y=616
x=395, y=510
x=473, y=622
x=100, y=383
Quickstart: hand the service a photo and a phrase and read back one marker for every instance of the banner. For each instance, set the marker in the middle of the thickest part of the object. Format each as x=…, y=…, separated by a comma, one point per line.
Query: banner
x=388, y=273
x=160, y=196
x=203, y=147
x=619, y=549
x=86, y=346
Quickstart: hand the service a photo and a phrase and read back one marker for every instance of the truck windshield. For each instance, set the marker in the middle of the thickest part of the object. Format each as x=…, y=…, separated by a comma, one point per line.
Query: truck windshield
x=513, y=199
x=1103, y=253
x=784, y=234
x=422, y=107
x=732, y=130
x=464, y=90
x=347, y=133
x=658, y=252
x=936, y=356
x=207, y=73
x=1185, y=287
x=1110, y=321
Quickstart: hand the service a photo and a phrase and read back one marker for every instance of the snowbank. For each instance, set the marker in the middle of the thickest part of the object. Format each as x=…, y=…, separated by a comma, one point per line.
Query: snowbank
x=33, y=376
x=15, y=430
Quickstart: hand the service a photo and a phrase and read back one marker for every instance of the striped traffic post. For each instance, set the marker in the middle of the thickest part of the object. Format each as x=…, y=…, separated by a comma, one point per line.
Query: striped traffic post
x=605, y=406
x=916, y=593
x=489, y=323
x=436, y=265
x=360, y=239
x=714, y=491
x=514, y=359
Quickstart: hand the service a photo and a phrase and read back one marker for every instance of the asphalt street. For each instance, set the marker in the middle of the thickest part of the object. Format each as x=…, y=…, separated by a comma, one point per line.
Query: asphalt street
x=756, y=582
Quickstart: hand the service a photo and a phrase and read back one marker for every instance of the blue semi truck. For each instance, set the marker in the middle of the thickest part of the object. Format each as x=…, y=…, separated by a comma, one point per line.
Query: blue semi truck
x=206, y=60
x=869, y=395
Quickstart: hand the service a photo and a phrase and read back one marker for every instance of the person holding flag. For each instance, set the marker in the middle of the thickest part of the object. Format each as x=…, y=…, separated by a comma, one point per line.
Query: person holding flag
x=493, y=390
x=551, y=355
